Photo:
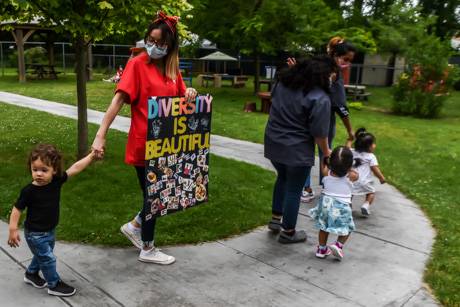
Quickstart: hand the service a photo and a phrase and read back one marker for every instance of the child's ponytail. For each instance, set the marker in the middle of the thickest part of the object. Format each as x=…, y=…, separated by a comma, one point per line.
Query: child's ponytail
x=360, y=131
x=357, y=162
x=363, y=140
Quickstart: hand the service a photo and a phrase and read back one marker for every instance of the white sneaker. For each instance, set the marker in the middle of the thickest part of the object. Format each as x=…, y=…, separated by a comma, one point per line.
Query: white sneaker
x=365, y=209
x=154, y=255
x=336, y=250
x=307, y=196
x=133, y=235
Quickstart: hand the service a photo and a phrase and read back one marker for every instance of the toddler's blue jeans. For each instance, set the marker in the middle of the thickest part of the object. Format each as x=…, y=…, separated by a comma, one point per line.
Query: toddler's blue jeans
x=41, y=245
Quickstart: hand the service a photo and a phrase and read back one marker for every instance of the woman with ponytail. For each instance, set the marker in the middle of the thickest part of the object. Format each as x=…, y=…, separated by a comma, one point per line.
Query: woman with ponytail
x=152, y=73
x=343, y=53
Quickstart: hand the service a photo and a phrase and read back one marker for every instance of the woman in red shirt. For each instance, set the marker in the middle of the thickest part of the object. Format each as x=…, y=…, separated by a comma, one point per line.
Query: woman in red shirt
x=152, y=73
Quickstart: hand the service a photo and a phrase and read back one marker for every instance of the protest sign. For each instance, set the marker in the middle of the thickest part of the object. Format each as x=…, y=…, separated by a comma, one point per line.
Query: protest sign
x=177, y=154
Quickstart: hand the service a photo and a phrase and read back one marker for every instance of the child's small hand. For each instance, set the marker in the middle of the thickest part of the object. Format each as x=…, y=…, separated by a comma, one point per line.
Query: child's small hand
x=98, y=147
x=353, y=175
x=92, y=155
x=383, y=181
x=14, y=238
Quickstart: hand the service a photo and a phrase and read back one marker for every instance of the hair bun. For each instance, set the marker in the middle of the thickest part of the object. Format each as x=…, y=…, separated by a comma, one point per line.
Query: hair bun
x=360, y=131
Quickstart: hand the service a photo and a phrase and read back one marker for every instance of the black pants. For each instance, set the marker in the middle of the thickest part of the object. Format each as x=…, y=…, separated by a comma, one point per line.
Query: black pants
x=287, y=192
x=147, y=227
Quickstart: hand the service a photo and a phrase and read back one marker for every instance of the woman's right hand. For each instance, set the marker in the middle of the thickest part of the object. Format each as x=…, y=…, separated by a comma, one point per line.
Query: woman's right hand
x=291, y=62
x=98, y=147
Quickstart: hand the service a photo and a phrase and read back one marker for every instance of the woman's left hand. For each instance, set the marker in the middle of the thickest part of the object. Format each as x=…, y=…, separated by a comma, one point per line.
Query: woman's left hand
x=291, y=62
x=190, y=94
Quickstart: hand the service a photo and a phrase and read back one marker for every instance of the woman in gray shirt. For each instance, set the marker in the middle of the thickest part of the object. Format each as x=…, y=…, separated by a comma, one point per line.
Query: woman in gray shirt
x=343, y=53
x=299, y=117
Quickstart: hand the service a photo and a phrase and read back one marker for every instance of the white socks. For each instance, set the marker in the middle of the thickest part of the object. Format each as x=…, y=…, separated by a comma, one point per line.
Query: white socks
x=131, y=227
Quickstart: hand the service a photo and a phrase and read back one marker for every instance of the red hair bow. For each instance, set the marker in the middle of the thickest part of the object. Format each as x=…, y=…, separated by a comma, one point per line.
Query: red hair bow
x=170, y=21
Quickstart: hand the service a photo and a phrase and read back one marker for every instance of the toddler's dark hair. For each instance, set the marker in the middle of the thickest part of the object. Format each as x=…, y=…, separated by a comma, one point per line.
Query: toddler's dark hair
x=49, y=155
x=341, y=161
x=363, y=140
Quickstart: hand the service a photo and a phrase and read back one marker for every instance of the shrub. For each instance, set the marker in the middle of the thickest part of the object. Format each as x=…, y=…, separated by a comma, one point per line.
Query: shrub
x=423, y=88
x=414, y=96
x=456, y=77
x=36, y=55
x=357, y=105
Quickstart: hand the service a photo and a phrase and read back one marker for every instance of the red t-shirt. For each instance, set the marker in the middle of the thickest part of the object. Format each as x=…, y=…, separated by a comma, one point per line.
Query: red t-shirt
x=141, y=80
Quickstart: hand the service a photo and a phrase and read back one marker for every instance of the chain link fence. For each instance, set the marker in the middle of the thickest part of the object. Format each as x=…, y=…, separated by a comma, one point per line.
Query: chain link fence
x=106, y=58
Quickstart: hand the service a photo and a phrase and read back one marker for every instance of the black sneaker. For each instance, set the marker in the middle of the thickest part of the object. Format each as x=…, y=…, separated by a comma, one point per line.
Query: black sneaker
x=297, y=237
x=34, y=280
x=62, y=289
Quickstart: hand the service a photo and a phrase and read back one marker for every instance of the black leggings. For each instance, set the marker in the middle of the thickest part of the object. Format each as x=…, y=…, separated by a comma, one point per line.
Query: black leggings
x=147, y=227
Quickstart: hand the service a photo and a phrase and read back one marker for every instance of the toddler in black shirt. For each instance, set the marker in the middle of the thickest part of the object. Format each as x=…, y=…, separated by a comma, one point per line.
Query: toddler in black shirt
x=41, y=198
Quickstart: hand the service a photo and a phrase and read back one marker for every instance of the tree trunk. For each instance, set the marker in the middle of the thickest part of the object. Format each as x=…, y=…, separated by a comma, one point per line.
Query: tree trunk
x=257, y=72
x=80, y=57
x=333, y=4
x=257, y=6
x=357, y=13
x=20, y=45
x=89, y=70
x=50, y=47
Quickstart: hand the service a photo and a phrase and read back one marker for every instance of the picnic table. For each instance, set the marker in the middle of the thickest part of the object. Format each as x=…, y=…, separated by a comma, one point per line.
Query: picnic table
x=266, y=100
x=356, y=92
x=235, y=80
x=206, y=78
x=42, y=70
x=268, y=82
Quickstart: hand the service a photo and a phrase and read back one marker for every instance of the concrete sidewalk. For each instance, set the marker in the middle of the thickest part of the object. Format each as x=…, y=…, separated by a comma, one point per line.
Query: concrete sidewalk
x=383, y=265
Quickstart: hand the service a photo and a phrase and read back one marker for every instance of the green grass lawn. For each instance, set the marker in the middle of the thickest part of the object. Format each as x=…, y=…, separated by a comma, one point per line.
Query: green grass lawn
x=228, y=118
x=106, y=195
x=421, y=157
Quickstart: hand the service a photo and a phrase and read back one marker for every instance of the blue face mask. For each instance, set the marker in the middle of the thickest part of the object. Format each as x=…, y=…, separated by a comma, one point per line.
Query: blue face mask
x=156, y=52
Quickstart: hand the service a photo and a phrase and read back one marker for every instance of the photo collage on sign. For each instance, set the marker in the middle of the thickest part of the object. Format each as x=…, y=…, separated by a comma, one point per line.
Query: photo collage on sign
x=177, y=181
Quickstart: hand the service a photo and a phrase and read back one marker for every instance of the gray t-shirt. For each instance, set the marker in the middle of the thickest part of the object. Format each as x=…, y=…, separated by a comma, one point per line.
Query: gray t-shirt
x=295, y=120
